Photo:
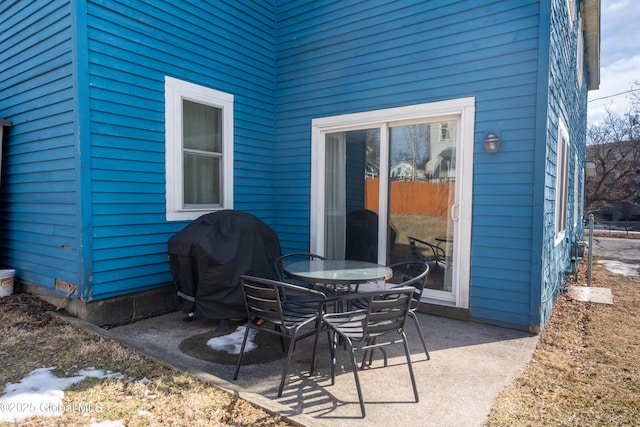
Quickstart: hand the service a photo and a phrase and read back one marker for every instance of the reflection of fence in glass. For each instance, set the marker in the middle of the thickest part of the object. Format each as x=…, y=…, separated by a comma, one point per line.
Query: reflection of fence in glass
x=420, y=197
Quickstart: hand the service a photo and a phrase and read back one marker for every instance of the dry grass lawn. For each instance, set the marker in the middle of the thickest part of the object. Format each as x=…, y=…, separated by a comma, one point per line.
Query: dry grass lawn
x=586, y=369
x=150, y=394
x=585, y=372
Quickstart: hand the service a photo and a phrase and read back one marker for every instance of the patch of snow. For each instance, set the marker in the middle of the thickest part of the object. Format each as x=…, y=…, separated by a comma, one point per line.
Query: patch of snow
x=232, y=342
x=41, y=393
x=617, y=267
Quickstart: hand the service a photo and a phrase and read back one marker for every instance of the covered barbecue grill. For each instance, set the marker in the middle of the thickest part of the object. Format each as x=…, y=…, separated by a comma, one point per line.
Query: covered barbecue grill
x=208, y=256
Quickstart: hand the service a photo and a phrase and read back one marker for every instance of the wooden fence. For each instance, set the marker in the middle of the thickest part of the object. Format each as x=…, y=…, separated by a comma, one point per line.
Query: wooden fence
x=416, y=197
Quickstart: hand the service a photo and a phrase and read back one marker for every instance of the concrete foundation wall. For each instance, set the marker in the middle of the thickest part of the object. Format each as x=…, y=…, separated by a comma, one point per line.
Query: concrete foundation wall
x=112, y=311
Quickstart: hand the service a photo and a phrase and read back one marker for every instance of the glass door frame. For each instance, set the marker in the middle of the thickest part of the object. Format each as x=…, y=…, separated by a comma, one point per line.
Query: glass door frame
x=463, y=110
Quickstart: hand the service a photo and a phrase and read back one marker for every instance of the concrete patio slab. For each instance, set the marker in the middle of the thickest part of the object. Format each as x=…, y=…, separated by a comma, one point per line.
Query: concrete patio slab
x=470, y=363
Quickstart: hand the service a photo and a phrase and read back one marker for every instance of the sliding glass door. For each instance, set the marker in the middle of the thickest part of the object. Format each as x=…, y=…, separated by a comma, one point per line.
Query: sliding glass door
x=391, y=191
x=422, y=181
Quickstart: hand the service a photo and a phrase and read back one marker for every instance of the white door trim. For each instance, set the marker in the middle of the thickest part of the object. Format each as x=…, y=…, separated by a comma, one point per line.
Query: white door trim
x=464, y=110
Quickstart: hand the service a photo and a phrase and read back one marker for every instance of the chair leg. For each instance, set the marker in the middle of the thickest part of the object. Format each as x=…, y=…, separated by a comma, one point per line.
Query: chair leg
x=367, y=354
x=424, y=344
x=333, y=340
x=410, y=365
x=384, y=355
x=292, y=340
x=315, y=346
x=354, y=367
x=282, y=346
x=382, y=350
x=244, y=343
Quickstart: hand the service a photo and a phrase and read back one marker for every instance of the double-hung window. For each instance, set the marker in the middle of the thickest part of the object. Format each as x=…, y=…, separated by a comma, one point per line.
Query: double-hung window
x=199, y=150
x=562, y=182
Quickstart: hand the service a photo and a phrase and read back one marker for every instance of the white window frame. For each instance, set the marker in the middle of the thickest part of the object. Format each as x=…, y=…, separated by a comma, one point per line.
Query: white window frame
x=562, y=183
x=176, y=91
x=571, y=10
x=580, y=54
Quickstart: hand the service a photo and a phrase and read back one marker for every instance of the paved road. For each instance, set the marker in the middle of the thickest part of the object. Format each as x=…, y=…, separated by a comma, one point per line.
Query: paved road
x=619, y=249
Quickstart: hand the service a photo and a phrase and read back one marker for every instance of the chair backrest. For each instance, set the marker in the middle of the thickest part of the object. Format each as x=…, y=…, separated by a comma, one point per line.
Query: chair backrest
x=437, y=253
x=262, y=299
x=296, y=256
x=387, y=311
x=414, y=273
x=277, y=302
x=370, y=314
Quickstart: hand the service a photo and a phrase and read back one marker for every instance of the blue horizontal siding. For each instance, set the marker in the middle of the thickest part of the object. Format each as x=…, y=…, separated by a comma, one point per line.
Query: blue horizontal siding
x=38, y=211
x=510, y=317
x=567, y=102
x=353, y=56
x=506, y=168
x=508, y=294
x=228, y=46
x=286, y=62
x=193, y=33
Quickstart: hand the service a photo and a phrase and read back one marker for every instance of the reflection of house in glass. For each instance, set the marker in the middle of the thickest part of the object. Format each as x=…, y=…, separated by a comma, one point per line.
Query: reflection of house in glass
x=372, y=170
x=442, y=162
x=405, y=171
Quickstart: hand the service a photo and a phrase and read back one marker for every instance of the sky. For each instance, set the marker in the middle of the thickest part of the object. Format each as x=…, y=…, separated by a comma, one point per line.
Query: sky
x=619, y=57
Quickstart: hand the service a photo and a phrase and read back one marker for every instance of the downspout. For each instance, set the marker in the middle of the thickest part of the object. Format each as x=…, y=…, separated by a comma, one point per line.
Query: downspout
x=3, y=123
x=539, y=168
x=83, y=149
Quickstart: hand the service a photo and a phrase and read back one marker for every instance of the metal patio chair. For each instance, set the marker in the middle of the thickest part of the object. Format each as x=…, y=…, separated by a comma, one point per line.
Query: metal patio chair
x=381, y=323
x=413, y=273
x=282, y=309
x=292, y=257
x=435, y=255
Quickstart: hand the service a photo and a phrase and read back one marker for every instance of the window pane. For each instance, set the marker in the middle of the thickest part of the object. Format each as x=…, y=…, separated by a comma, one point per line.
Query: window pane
x=562, y=181
x=201, y=180
x=422, y=171
x=201, y=127
x=198, y=122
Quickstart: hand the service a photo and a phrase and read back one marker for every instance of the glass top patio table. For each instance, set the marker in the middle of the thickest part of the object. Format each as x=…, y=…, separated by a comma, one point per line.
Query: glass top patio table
x=330, y=271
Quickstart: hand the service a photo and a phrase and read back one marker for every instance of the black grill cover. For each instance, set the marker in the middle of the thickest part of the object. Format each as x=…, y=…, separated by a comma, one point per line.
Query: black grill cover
x=208, y=256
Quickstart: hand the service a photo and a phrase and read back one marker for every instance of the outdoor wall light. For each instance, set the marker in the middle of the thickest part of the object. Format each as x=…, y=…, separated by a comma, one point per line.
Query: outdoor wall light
x=491, y=142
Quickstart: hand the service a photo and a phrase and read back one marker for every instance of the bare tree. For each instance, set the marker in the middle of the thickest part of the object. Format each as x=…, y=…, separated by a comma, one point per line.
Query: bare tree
x=614, y=148
x=417, y=139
